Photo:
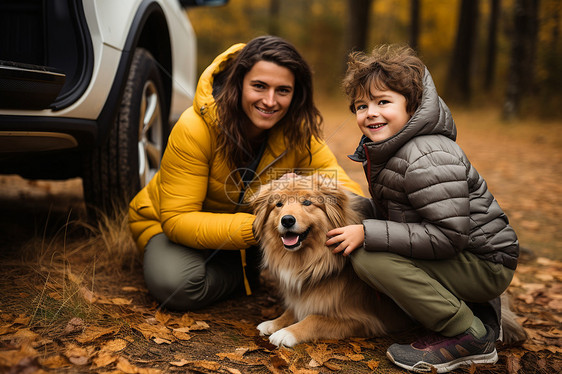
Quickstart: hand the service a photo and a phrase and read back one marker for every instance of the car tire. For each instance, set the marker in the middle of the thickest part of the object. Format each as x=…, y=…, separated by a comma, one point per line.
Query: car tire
x=116, y=170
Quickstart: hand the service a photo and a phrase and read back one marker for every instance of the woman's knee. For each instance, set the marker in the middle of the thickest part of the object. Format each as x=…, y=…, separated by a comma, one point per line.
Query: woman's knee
x=174, y=275
x=174, y=287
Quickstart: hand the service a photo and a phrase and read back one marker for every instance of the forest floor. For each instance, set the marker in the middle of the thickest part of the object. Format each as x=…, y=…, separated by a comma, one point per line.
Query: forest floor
x=72, y=296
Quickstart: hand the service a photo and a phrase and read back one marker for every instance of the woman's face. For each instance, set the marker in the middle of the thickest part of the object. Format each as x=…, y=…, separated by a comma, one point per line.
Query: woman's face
x=267, y=91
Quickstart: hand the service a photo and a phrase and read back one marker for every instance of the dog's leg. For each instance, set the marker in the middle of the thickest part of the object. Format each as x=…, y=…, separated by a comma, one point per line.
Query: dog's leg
x=284, y=320
x=315, y=327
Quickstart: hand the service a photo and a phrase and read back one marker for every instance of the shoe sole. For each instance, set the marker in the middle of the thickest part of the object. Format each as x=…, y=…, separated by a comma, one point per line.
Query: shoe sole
x=422, y=367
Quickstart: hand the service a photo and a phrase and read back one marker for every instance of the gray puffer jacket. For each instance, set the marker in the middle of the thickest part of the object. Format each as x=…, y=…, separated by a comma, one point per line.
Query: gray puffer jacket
x=431, y=203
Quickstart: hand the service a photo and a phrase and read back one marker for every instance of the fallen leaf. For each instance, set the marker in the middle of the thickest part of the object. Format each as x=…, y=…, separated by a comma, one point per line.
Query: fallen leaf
x=104, y=359
x=199, y=325
x=74, y=325
x=555, y=304
x=209, y=365
x=332, y=366
x=114, y=345
x=162, y=317
x=372, y=364
x=184, y=321
x=233, y=371
x=238, y=356
x=92, y=333
x=155, y=331
x=78, y=355
x=22, y=319
x=161, y=341
x=295, y=370
x=25, y=335
x=54, y=362
x=180, y=363
x=320, y=353
x=356, y=357
x=121, y=301
x=314, y=364
x=125, y=366
x=88, y=295
x=180, y=335
x=130, y=289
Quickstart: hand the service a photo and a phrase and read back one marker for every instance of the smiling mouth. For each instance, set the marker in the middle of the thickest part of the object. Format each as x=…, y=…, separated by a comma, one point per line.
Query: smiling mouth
x=265, y=111
x=377, y=126
x=292, y=240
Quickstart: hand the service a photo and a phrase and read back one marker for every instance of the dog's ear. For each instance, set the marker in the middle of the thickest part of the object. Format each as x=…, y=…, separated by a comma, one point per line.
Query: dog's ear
x=336, y=201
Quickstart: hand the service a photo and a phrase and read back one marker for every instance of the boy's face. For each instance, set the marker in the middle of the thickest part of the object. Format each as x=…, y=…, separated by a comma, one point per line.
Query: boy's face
x=382, y=114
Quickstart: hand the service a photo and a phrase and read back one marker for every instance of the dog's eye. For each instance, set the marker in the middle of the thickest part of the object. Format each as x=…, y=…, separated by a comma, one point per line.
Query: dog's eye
x=279, y=204
x=306, y=202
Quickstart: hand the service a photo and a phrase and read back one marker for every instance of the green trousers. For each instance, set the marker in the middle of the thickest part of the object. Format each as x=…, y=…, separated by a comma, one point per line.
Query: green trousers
x=183, y=278
x=434, y=292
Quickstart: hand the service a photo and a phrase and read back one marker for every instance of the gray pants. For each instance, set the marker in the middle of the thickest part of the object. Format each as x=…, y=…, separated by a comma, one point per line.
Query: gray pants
x=183, y=278
x=435, y=292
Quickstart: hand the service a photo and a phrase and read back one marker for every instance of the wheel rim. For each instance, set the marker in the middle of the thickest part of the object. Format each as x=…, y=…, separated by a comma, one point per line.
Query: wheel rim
x=150, y=133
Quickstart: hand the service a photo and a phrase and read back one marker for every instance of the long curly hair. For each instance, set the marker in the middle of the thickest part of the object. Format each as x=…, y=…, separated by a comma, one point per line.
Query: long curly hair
x=302, y=121
x=388, y=67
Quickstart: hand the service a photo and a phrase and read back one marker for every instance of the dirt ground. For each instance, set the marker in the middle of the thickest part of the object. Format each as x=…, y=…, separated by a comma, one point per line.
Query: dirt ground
x=72, y=298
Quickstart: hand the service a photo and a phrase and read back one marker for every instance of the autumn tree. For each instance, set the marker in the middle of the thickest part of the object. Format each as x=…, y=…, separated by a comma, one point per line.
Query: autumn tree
x=357, y=24
x=492, y=48
x=458, y=82
x=274, y=6
x=522, y=60
x=415, y=24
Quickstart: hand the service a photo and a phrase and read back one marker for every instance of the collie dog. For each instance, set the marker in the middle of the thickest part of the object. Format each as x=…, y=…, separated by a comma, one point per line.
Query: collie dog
x=323, y=296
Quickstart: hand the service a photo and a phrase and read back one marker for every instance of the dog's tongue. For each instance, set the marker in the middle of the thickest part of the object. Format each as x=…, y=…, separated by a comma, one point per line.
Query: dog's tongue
x=290, y=239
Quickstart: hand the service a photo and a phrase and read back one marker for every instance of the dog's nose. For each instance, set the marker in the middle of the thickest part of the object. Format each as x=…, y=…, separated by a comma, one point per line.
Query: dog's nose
x=288, y=221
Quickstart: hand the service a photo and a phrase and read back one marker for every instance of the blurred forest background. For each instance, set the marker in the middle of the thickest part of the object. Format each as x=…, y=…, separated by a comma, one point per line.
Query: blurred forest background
x=507, y=53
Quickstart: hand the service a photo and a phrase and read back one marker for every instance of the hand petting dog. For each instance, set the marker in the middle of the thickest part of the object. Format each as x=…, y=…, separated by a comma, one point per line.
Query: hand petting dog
x=349, y=238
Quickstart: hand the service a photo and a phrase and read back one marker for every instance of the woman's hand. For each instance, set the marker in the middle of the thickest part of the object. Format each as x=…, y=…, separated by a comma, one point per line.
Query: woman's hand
x=349, y=238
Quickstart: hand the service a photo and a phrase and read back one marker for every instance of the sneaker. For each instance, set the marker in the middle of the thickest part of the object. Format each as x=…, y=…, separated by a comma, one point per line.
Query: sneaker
x=443, y=353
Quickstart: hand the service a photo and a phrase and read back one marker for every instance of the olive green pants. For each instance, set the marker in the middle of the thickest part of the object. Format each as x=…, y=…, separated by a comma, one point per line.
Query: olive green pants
x=435, y=292
x=183, y=278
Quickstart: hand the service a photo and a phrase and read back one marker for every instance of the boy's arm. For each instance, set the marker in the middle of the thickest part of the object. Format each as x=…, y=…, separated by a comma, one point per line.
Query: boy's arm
x=437, y=189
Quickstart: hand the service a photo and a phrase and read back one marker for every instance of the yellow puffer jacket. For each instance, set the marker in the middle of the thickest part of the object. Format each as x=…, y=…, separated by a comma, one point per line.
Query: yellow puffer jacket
x=194, y=198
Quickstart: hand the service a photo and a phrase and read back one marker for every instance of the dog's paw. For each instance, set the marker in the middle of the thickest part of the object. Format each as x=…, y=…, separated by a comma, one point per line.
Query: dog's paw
x=266, y=328
x=283, y=338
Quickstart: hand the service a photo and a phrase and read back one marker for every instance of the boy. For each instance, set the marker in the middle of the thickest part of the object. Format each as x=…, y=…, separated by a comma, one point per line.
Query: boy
x=439, y=239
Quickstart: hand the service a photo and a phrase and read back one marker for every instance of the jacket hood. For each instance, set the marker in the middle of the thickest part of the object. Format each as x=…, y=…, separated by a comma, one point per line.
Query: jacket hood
x=432, y=117
x=204, y=101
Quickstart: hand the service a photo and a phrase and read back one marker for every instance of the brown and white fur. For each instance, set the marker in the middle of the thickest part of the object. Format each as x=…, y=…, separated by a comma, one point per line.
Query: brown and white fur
x=323, y=297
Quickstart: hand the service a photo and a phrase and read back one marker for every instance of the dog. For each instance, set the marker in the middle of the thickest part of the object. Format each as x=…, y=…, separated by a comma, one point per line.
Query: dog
x=322, y=295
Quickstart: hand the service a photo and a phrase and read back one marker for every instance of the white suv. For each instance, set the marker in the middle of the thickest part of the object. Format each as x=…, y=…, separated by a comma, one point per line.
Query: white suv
x=91, y=88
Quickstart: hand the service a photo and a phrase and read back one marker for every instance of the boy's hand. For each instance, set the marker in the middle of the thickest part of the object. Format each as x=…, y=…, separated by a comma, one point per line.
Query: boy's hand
x=349, y=238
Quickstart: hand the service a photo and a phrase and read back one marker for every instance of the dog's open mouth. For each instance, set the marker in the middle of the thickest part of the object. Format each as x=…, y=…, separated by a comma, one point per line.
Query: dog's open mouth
x=292, y=240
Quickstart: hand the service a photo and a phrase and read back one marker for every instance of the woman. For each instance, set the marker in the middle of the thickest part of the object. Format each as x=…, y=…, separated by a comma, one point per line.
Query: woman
x=253, y=119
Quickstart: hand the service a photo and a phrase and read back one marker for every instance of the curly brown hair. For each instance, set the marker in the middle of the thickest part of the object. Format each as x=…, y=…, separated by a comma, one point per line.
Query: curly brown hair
x=302, y=121
x=389, y=67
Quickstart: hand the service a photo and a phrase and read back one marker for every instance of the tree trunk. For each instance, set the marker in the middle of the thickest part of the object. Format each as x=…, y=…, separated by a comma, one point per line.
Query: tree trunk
x=522, y=61
x=458, y=83
x=491, y=50
x=358, y=24
x=415, y=24
x=274, y=6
